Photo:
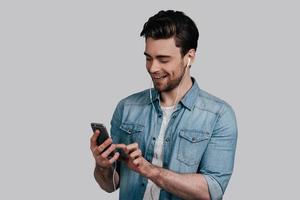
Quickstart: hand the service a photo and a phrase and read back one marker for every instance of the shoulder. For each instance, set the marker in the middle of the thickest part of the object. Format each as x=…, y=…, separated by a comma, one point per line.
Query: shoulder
x=211, y=103
x=134, y=102
x=138, y=98
x=223, y=114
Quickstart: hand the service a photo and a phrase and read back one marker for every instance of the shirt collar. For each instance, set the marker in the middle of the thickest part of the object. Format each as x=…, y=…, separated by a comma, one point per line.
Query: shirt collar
x=188, y=100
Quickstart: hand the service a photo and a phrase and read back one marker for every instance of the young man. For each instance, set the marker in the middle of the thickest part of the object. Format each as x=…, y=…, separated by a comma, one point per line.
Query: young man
x=177, y=141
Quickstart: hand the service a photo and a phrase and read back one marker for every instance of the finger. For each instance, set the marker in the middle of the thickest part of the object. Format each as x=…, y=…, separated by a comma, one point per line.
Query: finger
x=122, y=147
x=96, y=152
x=132, y=147
x=137, y=161
x=105, y=144
x=108, y=151
x=93, y=140
x=114, y=158
x=135, y=154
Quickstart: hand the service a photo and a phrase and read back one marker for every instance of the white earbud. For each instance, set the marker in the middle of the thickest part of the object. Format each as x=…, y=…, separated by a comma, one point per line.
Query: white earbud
x=189, y=62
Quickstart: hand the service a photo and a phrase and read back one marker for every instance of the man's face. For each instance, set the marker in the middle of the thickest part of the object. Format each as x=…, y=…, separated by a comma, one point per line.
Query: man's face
x=164, y=63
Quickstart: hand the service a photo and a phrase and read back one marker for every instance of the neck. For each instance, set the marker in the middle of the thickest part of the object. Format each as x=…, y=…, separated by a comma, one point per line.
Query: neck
x=169, y=98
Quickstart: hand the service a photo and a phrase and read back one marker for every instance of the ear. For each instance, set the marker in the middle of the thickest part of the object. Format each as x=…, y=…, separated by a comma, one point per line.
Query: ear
x=190, y=56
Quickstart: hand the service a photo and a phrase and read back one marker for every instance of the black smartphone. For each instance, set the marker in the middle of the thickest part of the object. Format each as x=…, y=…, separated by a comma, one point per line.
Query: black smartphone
x=103, y=132
x=103, y=135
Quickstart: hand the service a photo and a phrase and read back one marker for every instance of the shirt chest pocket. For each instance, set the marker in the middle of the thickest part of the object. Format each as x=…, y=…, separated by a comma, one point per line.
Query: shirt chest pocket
x=132, y=132
x=192, y=145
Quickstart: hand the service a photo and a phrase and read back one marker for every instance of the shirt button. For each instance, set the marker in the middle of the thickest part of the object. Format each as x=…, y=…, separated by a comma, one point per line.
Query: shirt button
x=154, y=138
x=167, y=139
x=143, y=184
x=193, y=139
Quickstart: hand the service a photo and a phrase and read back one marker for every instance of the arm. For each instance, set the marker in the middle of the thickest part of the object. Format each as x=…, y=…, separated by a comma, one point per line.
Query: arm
x=218, y=160
x=104, y=178
x=186, y=186
x=104, y=175
x=104, y=169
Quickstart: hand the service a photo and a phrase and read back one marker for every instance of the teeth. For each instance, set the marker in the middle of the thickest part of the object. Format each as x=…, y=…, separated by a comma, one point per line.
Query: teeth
x=159, y=77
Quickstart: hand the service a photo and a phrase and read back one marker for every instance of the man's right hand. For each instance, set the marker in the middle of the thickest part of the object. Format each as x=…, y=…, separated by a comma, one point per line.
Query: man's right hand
x=101, y=156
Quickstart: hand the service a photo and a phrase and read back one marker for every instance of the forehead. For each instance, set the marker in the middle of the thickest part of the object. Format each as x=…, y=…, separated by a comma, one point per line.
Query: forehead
x=156, y=47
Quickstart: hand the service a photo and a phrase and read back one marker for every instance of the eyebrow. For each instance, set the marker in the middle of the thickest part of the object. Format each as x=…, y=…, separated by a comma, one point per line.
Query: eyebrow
x=158, y=56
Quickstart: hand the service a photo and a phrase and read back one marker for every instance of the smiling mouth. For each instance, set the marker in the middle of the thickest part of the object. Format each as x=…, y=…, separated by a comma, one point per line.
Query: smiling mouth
x=159, y=77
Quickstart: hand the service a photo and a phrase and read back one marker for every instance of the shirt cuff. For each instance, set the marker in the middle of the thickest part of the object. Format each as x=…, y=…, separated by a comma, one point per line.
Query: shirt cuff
x=214, y=188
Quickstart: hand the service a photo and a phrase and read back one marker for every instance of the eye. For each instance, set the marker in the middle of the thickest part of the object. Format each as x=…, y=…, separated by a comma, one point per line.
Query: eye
x=164, y=61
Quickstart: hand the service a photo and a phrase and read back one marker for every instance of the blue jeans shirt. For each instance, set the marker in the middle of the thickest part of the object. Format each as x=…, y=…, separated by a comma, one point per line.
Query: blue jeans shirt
x=200, y=138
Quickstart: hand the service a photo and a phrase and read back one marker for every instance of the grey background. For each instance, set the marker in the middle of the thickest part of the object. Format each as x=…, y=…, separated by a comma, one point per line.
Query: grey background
x=66, y=63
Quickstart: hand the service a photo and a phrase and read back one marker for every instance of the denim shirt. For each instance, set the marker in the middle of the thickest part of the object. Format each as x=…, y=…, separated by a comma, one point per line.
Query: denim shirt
x=200, y=138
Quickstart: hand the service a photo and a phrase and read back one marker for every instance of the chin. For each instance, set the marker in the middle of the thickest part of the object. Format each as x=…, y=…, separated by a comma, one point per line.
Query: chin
x=167, y=85
x=164, y=88
x=159, y=89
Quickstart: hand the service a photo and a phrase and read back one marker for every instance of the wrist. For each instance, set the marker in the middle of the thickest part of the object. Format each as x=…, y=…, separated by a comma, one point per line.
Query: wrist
x=100, y=168
x=153, y=172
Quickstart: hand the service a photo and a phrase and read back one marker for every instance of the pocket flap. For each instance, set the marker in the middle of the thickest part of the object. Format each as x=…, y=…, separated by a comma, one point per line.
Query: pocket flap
x=132, y=128
x=194, y=136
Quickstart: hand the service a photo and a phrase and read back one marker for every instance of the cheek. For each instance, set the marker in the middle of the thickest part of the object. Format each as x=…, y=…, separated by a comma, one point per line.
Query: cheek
x=170, y=67
x=174, y=69
x=148, y=65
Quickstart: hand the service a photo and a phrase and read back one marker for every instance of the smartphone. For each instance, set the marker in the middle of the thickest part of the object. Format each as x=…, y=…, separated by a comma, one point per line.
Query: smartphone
x=103, y=132
x=103, y=135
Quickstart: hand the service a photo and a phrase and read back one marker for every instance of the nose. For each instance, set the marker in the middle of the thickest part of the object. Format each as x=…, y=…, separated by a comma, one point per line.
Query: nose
x=153, y=66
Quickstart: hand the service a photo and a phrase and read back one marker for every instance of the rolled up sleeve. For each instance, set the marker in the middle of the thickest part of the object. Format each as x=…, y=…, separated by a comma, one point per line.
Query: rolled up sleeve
x=215, y=190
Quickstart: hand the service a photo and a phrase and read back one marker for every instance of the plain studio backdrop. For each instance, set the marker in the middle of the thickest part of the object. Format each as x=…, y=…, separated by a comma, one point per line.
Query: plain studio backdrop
x=64, y=64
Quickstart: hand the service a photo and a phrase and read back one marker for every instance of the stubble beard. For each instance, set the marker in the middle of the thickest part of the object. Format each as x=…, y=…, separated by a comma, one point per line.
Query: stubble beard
x=171, y=84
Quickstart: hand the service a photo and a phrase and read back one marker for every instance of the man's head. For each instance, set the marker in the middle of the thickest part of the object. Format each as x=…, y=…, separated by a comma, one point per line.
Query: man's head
x=171, y=43
x=169, y=24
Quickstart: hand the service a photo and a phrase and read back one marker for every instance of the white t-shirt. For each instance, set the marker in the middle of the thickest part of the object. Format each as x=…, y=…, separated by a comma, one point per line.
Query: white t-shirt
x=152, y=191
